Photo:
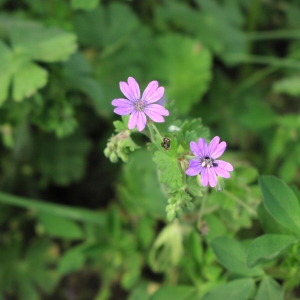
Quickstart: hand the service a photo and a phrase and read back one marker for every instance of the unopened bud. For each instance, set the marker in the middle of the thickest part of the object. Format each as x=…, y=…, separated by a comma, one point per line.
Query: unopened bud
x=106, y=152
x=171, y=215
x=113, y=157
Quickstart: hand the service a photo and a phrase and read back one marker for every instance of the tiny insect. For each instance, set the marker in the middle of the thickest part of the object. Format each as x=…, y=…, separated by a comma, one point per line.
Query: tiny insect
x=166, y=144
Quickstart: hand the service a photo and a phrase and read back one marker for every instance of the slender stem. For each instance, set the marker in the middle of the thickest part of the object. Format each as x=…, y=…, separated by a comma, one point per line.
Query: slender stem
x=236, y=199
x=152, y=137
x=64, y=211
x=156, y=130
x=201, y=212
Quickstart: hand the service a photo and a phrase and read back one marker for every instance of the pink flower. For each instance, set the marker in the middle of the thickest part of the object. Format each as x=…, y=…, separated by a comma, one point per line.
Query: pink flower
x=206, y=162
x=138, y=107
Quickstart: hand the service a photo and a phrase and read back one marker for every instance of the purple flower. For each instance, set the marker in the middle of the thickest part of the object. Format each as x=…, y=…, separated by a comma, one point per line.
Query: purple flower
x=206, y=162
x=138, y=107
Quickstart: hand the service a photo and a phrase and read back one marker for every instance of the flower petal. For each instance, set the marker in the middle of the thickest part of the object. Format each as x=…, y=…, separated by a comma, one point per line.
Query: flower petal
x=137, y=119
x=194, y=167
x=213, y=145
x=132, y=120
x=126, y=90
x=212, y=177
x=121, y=102
x=204, y=177
x=219, y=150
x=123, y=111
x=150, y=89
x=134, y=87
x=224, y=165
x=141, y=121
x=202, y=148
x=155, y=96
x=221, y=172
x=195, y=149
x=157, y=109
x=154, y=116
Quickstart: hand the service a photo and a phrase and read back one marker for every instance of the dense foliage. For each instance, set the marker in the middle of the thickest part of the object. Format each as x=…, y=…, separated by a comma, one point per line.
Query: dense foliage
x=88, y=214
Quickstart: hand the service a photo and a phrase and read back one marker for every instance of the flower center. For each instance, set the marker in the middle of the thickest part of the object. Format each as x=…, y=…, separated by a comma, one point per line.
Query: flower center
x=208, y=162
x=139, y=105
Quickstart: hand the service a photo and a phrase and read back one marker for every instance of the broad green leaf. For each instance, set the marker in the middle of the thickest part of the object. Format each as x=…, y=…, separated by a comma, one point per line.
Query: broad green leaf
x=257, y=115
x=175, y=292
x=72, y=260
x=62, y=161
x=84, y=4
x=281, y=202
x=192, y=131
x=269, y=289
x=106, y=25
x=139, y=189
x=5, y=71
x=27, y=80
x=40, y=256
x=141, y=291
x=267, y=247
x=170, y=170
x=289, y=86
x=232, y=256
x=184, y=65
x=60, y=227
x=269, y=224
x=240, y=289
x=40, y=43
x=23, y=273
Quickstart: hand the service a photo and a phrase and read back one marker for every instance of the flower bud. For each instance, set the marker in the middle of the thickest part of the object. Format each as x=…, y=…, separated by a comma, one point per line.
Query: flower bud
x=106, y=152
x=113, y=157
x=171, y=215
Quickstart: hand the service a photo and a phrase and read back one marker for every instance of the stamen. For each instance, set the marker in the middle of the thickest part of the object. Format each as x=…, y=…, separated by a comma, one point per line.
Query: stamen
x=139, y=105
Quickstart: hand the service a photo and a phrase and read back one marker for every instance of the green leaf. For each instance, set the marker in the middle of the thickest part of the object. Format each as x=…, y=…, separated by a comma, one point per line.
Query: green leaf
x=167, y=249
x=281, y=202
x=27, y=77
x=27, y=80
x=184, y=65
x=93, y=28
x=192, y=131
x=240, y=289
x=62, y=161
x=194, y=247
x=141, y=194
x=170, y=170
x=232, y=256
x=84, y=4
x=267, y=247
x=257, y=115
x=72, y=260
x=269, y=289
x=43, y=44
x=289, y=86
x=269, y=224
x=175, y=292
x=60, y=227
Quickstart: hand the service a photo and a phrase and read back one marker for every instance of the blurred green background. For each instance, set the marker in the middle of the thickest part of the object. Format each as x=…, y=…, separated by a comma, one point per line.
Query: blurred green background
x=75, y=226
